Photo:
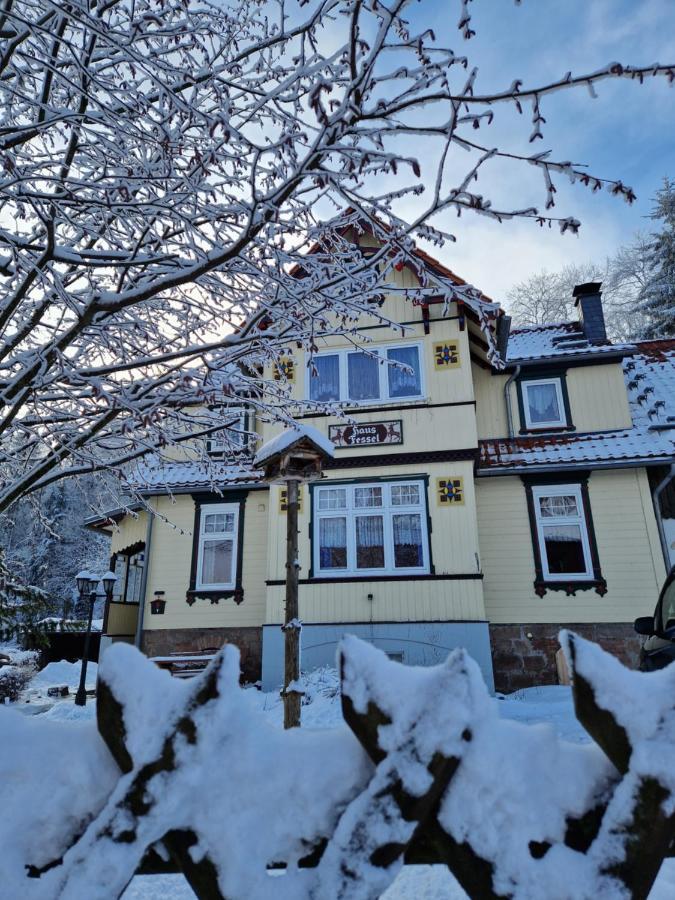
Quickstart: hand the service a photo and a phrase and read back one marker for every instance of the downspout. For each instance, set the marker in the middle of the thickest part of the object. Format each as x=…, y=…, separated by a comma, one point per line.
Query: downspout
x=507, y=399
x=144, y=583
x=656, y=496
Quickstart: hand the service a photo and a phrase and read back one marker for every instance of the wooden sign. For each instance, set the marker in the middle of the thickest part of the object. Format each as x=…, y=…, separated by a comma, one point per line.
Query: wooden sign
x=367, y=434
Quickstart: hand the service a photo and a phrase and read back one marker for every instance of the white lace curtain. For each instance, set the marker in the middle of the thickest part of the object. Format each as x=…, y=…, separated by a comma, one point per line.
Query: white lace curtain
x=543, y=402
x=325, y=385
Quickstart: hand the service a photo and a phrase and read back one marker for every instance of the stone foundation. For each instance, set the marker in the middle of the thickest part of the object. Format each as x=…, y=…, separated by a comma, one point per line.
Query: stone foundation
x=524, y=655
x=163, y=642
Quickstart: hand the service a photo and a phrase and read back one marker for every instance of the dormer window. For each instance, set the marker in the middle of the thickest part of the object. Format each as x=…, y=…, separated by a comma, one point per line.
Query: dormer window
x=543, y=404
x=355, y=377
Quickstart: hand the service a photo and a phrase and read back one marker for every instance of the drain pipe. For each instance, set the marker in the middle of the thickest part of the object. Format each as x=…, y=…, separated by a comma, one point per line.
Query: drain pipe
x=507, y=399
x=144, y=581
x=656, y=497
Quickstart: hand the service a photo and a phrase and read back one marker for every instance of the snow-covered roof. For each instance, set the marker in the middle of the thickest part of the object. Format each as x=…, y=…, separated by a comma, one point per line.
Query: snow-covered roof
x=628, y=446
x=291, y=436
x=552, y=341
x=650, y=383
x=150, y=475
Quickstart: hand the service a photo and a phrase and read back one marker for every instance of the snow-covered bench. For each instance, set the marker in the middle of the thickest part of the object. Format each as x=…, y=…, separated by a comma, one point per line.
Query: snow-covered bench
x=185, y=665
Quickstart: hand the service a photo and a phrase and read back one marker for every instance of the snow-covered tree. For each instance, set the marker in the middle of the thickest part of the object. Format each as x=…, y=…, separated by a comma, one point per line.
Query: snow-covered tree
x=166, y=166
x=547, y=296
x=22, y=608
x=658, y=294
x=46, y=543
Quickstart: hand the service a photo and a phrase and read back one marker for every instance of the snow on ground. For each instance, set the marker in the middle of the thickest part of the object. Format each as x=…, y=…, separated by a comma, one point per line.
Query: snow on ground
x=63, y=672
x=550, y=706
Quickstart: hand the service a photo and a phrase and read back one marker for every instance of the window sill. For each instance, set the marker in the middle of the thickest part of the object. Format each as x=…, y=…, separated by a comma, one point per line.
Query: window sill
x=599, y=585
x=559, y=429
x=370, y=579
x=365, y=405
x=215, y=596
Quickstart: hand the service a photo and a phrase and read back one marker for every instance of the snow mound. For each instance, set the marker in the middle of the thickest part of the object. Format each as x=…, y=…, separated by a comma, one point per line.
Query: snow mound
x=63, y=672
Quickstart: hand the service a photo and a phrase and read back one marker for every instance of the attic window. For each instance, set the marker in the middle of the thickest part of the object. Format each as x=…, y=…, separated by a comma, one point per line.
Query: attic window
x=543, y=404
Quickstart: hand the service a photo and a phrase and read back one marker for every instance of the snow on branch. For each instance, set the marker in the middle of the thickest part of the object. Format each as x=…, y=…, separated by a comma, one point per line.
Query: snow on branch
x=165, y=177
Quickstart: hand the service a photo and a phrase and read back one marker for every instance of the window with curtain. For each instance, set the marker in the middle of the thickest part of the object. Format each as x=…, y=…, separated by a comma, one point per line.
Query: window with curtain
x=404, y=377
x=381, y=373
x=543, y=403
x=561, y=529
x=218, y=535
x=378, y=528
x=324, y=381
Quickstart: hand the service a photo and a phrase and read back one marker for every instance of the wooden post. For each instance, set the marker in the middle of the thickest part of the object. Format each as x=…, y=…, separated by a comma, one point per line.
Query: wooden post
x=292, y=626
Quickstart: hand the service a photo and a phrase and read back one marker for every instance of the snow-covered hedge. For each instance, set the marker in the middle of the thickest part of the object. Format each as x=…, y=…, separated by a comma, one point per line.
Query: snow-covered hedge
x=423, y=770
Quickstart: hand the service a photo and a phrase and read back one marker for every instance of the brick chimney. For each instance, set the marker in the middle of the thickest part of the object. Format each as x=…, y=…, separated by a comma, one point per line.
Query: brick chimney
x=588, y=300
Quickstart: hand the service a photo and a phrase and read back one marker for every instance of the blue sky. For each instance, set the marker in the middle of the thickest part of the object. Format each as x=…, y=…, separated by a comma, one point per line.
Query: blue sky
x=628, y=132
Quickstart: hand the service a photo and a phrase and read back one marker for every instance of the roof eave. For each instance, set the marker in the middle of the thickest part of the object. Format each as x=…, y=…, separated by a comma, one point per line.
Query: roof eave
x=605, y=356
x=527, y=468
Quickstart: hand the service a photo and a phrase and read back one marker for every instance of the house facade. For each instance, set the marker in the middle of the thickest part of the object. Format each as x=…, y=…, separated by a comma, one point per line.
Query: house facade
x=486, y=490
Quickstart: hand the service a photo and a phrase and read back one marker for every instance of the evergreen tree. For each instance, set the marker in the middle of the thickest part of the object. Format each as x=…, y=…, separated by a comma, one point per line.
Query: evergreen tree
x=658, y=296
x=22, y=609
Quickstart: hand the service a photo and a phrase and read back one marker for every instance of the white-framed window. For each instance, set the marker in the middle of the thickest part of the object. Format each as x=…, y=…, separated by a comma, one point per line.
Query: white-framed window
x=217, y=551
x=237, y=431
x=543, y=403
x=352, y=376
x=371, y=529
x=563, y=538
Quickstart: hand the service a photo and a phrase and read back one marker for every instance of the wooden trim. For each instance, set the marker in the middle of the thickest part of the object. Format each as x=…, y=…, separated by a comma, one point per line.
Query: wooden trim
x=468, y=454
x=376, y=622
x=237, y=593
x=377, y=409
x=570, y=586
x=484, y=365
x=379, y=479
x=478, y=341
x=367, y=579
x=561, y=374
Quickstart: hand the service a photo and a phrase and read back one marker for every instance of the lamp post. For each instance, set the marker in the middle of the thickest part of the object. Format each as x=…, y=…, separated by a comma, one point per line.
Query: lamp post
x=86, y=586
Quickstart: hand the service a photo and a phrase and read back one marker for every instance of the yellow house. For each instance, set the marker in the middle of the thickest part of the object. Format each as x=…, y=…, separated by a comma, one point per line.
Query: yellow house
x=486, y=489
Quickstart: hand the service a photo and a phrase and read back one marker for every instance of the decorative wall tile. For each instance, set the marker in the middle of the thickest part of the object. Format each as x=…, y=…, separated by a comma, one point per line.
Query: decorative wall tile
x=446, y=355
x=283, y=500
x=285, y=369
x=450, y=491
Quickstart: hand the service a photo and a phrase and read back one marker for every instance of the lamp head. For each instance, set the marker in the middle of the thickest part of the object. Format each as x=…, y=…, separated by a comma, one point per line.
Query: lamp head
x=82, y=580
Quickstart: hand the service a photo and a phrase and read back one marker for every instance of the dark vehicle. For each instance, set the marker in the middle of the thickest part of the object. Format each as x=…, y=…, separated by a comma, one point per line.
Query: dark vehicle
x=658, y=650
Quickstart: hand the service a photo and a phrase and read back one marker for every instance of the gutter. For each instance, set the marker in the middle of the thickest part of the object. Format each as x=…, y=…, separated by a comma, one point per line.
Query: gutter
x=507, y=398
x=144, y=584
x=656, y=497
x=546, y=468
x=570, y=358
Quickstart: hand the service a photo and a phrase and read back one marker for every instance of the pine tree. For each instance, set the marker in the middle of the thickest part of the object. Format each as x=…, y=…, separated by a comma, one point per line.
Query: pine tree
x=658, y=296
x=22, y=609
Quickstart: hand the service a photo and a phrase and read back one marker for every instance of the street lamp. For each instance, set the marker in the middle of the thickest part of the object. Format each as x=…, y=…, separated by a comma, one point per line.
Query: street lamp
x=86, y=586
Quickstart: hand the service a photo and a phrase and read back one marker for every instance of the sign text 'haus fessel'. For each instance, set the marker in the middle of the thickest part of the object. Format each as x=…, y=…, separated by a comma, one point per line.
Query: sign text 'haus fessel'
x=368, y=433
